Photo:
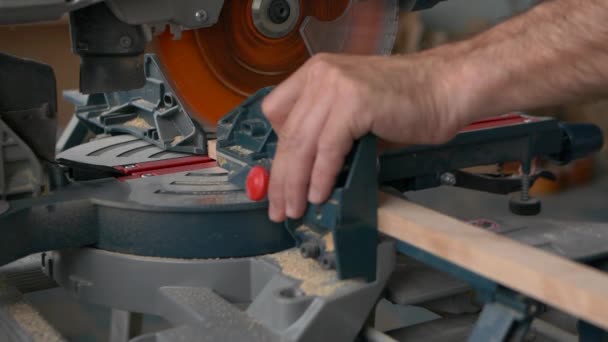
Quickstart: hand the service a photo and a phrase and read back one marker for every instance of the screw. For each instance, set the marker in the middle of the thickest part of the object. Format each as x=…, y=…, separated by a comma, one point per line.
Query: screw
x=201, y=15
x=525, y=187
x=525, y=205
x=310, y=250
x=318, y=213
x=448, y=178
x=126, y=41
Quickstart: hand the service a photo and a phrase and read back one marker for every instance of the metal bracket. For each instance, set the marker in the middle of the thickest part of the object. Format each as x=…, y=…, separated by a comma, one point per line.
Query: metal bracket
x=505, y=317
x=152, y=113
x=245, y=138
x=350, y=216
x=588, y=332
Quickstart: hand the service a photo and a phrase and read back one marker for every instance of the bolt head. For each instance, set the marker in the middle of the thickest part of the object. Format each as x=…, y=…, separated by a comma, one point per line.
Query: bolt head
x=328, y=261
x=448, y=178
x=126, y=42
x=310, y=250
x=201, y=15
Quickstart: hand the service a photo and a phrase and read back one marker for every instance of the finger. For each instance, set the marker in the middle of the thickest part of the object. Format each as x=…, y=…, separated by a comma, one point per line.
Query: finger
x=335, y=143
x=280, y=102
x=280, y=173
x=302, y=149
x=276, y=208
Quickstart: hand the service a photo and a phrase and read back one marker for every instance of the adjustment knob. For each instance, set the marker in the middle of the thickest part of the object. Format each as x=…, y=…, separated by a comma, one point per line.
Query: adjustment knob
x=256, y=184
x=524, y=207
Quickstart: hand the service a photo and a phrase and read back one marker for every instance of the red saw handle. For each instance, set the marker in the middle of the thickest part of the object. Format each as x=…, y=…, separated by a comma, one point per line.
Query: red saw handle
x=256, y=184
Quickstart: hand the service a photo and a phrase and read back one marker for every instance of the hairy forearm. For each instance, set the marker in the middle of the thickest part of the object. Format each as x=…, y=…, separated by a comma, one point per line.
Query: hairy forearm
x=555, y=53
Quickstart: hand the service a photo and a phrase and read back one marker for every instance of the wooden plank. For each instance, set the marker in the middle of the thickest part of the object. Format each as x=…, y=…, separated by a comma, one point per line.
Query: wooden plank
x=575, y=288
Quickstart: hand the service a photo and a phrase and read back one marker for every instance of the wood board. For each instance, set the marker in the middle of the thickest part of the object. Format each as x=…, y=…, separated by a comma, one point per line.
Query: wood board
x=577, y=289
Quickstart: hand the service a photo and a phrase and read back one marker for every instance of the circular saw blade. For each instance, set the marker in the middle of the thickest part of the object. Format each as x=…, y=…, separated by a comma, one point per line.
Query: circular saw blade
x=365, y=27
x=214, y=69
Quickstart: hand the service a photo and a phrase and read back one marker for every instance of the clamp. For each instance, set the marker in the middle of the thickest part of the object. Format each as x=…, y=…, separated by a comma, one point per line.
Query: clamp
x=342, y=232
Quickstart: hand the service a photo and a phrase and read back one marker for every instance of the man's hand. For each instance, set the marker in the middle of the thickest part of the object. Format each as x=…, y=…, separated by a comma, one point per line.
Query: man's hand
x=555, y=53
x=333, y=100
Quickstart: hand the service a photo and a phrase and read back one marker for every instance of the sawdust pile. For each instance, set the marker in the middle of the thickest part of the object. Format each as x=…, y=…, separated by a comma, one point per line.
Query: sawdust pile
x=315, y=280
x=138, y=123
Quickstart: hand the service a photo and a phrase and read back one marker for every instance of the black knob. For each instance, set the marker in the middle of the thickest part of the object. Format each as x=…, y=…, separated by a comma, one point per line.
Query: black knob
x=524, y=207
x=279, y=11
x=579, y=140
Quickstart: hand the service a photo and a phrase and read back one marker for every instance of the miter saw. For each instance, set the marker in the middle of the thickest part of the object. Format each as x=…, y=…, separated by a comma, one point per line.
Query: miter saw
x=133, y=214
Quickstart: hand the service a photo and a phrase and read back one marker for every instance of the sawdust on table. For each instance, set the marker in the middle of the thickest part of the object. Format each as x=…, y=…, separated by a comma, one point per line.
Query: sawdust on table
x=138, y=123
x=315, y=280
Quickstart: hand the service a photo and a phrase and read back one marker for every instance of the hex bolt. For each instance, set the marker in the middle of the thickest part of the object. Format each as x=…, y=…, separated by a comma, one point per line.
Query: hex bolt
x=201, y=15
x=278, y=11
x=310, y=250
x=448, y=178
x=126, y=42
